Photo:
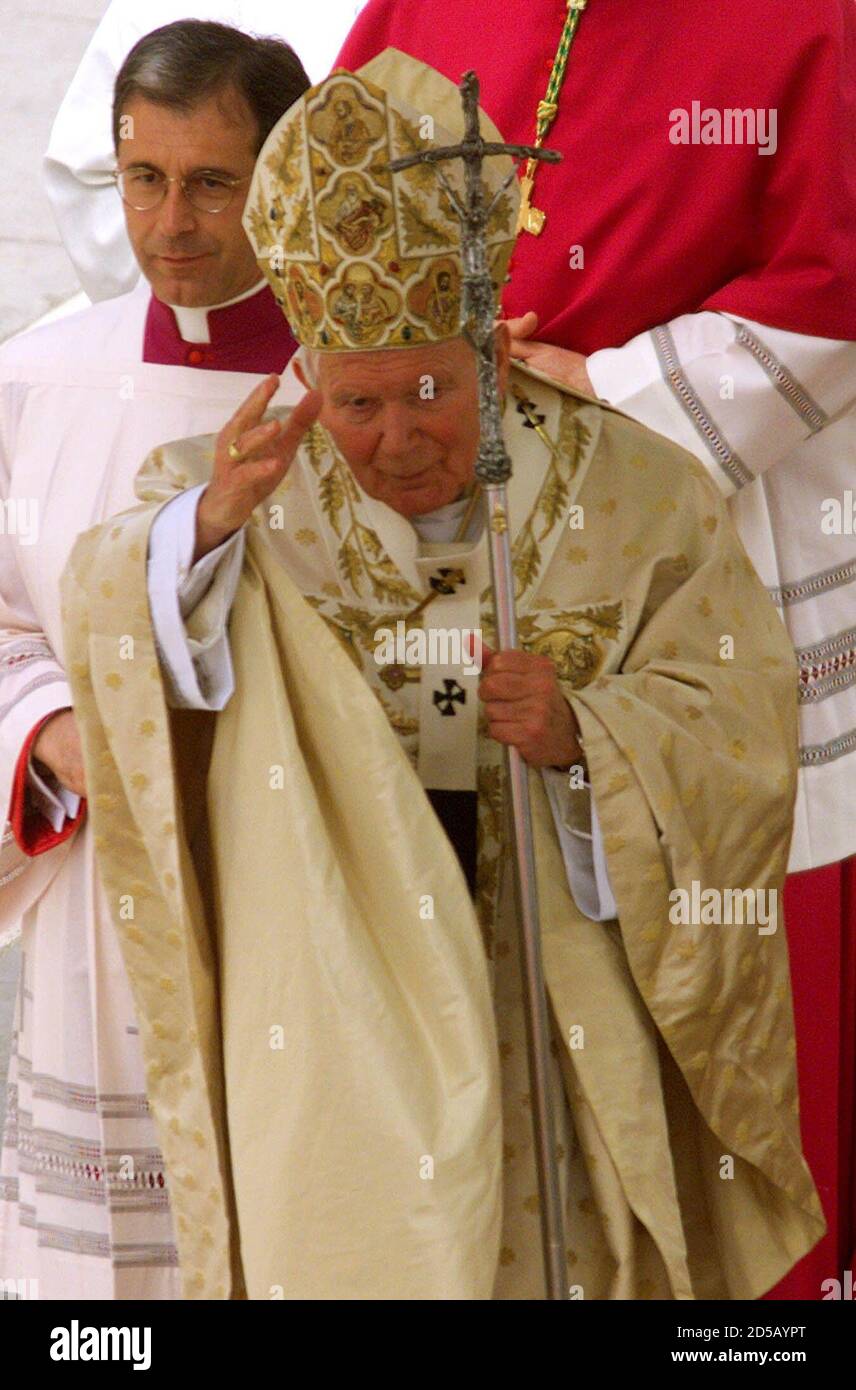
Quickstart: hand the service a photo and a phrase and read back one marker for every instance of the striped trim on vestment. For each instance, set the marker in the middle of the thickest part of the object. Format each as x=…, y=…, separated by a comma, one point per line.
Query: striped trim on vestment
x=828, y=666
x=729, y=461
x=798, y=590
x=110, y=1105
x=785, y=383
x=818, y=754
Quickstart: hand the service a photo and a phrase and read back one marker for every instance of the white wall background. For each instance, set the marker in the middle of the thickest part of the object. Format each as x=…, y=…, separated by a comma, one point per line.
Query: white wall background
x=42, y=43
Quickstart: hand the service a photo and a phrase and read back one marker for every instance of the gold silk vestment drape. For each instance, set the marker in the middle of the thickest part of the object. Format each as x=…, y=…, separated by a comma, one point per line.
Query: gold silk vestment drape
x=674, y=1069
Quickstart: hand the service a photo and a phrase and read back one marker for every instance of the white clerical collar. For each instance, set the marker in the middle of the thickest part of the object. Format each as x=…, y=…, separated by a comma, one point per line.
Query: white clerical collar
x=193, y=323
x=442, y=524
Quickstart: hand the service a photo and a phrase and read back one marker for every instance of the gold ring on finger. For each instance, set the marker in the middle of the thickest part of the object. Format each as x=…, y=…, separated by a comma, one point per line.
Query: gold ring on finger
x=234, y=452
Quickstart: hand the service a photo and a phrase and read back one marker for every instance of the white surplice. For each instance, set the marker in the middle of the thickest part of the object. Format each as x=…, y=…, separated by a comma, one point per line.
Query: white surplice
x=84, y=1204
x=772, y=416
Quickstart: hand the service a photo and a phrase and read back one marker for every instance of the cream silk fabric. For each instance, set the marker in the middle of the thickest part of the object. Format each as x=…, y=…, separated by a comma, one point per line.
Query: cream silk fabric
x=688, y=1052
x=365, y=1155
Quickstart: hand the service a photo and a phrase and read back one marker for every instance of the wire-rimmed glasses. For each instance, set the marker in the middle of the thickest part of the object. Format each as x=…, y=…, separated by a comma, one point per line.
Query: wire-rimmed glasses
x=144, y=188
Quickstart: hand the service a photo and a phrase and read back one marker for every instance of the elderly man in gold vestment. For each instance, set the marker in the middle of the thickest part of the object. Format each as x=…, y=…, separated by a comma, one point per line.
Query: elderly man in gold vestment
x=279, y=763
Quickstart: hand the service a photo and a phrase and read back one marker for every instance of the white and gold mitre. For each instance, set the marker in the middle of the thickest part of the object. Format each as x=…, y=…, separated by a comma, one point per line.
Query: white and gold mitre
x=360, y=258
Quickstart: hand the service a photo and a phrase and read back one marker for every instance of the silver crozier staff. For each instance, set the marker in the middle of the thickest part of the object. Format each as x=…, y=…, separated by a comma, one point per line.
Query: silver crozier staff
x=493, y=470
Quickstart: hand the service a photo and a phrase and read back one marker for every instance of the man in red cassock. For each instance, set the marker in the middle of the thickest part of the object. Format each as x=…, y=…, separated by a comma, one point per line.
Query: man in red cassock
x=692, y=261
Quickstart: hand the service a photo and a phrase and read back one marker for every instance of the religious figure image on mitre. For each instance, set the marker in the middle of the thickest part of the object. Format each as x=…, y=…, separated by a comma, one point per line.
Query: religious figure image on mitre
x=355, y=214
x=361, y=305
x=304, y=301
x=436, y=299
x=346, y=125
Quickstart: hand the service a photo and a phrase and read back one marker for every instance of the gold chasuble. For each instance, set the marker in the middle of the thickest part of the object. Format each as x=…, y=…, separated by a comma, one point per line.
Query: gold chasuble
x=338, y=1117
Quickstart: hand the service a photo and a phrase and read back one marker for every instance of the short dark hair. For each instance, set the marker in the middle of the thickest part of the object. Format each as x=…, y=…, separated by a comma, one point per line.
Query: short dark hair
x=182, y=64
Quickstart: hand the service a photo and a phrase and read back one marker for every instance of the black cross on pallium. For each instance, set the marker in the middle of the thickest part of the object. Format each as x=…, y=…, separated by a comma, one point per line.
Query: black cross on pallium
x=531, y=418
x=445, y=700
x=446, y=580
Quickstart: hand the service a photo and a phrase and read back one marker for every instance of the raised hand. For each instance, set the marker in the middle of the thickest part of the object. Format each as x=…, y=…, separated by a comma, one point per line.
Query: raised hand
x=250, y=460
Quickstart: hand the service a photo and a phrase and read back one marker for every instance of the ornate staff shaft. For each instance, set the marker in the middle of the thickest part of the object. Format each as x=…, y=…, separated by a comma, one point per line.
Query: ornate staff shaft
x=493, y=470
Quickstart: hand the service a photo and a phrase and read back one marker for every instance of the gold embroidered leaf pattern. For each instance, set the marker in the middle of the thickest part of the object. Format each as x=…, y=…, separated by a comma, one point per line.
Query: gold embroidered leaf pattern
x=344, y=638
x=261, y=229
x=490, y=796
x=527, y=628
x=527, y=560
x=501, y=217
x=283, y=162
x=332, y=498
x=351, y=565
x=574, y=435
x=445, y=203
x=361, y=622
x=370, y=540
x=388, y=584
x=418, y=228
x=486, y=889
x=607, y=616
x=553, y=500
x=347, y=479
x=316, y=443
x=409, y=141
x=299, y=237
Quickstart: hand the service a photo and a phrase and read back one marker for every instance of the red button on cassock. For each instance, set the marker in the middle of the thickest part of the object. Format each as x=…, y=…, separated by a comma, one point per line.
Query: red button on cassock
x=194, y=357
